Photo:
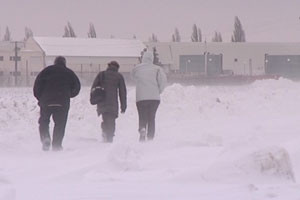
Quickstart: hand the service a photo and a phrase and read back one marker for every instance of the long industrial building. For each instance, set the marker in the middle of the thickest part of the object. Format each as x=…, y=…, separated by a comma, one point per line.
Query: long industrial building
x=217, y=58
x=21, y=62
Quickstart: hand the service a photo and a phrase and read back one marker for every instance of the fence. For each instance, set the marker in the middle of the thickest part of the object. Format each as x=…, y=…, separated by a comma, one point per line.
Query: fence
x=27, y=79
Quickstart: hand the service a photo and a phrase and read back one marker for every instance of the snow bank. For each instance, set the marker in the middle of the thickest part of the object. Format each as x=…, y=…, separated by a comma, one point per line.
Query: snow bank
x=264, y=166
x=274, y=162
x=212, y=142
x=7, y=192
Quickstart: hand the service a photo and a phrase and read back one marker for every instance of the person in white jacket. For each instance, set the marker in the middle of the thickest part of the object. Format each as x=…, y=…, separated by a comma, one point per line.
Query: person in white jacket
x=150, y=82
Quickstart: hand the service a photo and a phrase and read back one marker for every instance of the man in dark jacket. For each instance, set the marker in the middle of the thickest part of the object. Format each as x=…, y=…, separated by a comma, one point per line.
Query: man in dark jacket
x=53, y=88
x=114, y=85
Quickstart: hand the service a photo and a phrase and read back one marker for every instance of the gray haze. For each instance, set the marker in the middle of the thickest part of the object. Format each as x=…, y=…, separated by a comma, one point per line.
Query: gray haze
x=263, y=20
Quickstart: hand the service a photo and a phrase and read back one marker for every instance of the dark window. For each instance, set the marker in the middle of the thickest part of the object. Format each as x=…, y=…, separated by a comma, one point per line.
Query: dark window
x=34, y=73
x=14, y=73
x=235, y=60
x=1, y=73
x=12, y=58
x=1, y=58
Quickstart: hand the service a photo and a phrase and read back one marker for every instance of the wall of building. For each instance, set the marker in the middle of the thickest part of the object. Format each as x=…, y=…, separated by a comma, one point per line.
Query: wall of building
x=7, y=62
x=34, y=60
x=237, y=58
x=240, y=58
x=88, y=67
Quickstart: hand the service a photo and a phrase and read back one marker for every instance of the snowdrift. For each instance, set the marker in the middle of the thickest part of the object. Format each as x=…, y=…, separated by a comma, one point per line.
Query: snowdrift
x=7, y=192
x=212, y=142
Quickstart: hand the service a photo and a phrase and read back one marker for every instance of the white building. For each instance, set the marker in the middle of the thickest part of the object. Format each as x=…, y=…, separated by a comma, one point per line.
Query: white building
x=236, y=58
x=88, y=56
x=85, y=56
x=7, y=62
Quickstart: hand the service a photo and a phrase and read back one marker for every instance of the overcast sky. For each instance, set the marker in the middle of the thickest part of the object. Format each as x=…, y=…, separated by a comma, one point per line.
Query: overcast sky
x=263, y=20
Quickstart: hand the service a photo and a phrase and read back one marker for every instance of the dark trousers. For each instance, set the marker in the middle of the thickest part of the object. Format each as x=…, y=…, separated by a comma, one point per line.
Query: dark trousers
x=147, y=111
x=108, y=125
x=60, y=116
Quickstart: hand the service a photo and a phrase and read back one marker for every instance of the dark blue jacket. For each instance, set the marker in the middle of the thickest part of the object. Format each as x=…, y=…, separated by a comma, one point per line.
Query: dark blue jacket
x=55, y=85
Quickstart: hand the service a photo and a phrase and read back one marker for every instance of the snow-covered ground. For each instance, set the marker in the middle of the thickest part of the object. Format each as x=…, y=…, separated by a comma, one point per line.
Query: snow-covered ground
x=212, y=143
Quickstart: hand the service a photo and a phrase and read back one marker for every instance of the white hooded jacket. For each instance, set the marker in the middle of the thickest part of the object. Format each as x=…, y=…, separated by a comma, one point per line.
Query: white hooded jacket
x=150, y=79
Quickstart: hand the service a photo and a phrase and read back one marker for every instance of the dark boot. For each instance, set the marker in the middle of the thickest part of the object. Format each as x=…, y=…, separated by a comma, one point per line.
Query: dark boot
x=46, y=144
x=109, y=139
x=57, y=148
x=142, y=135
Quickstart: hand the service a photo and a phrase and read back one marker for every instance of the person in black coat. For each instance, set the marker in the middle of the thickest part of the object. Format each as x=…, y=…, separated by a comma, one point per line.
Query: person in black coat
x=53, y=88
x=114, y=85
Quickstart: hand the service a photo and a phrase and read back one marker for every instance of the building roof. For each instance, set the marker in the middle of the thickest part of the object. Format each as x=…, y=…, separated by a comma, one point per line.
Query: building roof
x=94, y=47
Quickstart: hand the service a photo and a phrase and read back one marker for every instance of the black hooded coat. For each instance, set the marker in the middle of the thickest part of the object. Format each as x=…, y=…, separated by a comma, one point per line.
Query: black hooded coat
x=114, y=86
x=55, y=85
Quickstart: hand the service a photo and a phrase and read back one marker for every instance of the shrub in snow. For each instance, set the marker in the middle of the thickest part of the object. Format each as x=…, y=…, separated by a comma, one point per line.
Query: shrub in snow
x=269, y=165
x=274, y=161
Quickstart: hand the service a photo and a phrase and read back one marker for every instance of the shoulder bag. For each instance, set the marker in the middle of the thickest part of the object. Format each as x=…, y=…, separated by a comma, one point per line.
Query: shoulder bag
x=98, y=92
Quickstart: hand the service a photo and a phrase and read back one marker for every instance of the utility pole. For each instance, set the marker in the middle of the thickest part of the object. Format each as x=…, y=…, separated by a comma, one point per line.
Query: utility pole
x=16, y=49
x=16, y=63
x=205, y=57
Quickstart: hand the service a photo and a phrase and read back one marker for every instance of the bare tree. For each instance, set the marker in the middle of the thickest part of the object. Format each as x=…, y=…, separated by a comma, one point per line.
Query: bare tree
x=72, y=32
x=196, y=34
x=7, y=35
x=238, y=32
x=28, y=33
x=173, y=38
x=69, y=31
x=92, y=32
x=217, y=37
x=199, y=35
x=156, y=60
x=176, y=36
x=153, y=38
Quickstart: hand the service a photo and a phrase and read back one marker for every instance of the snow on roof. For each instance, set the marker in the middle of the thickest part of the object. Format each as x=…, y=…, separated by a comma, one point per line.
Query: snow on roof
x=54, y=46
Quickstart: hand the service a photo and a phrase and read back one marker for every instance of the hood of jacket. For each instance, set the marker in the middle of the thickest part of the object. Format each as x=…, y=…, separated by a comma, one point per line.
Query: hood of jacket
x=112, y=68
x=60, y=65
x=148, y=57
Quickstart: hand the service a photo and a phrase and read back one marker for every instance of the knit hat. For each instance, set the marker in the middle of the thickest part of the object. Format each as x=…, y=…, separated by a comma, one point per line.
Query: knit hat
x=60, y=60
x=114, y=63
